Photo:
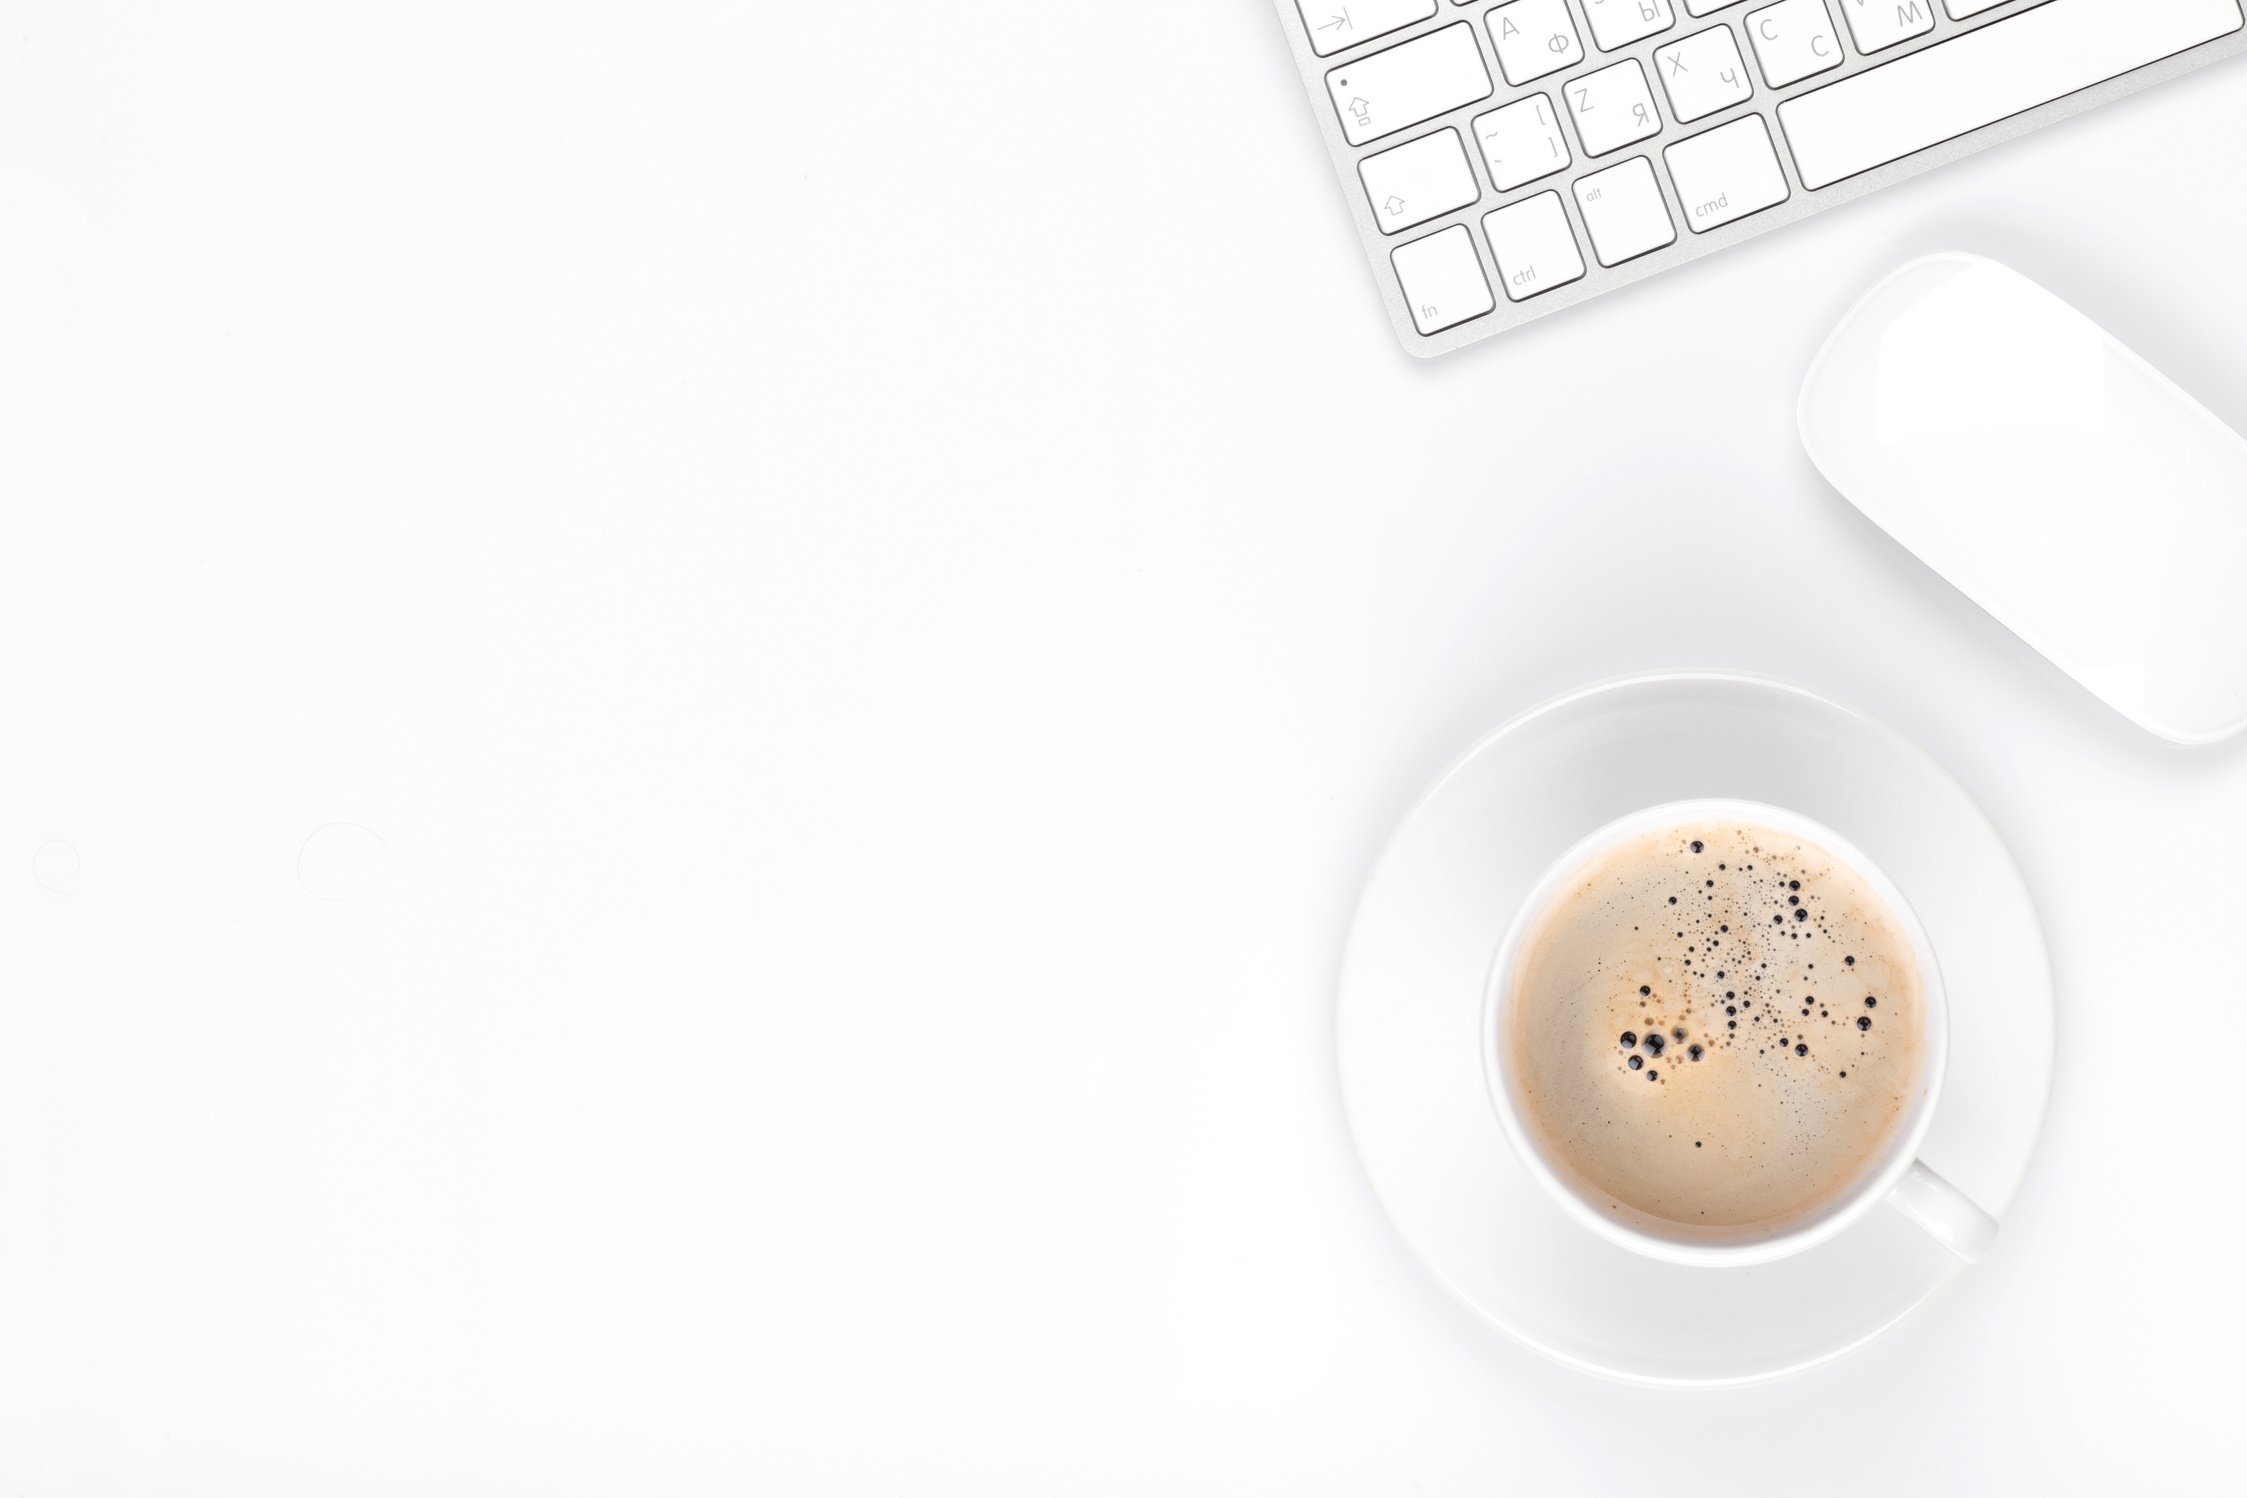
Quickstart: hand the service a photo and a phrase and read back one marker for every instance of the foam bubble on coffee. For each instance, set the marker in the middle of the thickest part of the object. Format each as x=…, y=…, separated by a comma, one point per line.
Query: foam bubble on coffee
x=1715, y=1030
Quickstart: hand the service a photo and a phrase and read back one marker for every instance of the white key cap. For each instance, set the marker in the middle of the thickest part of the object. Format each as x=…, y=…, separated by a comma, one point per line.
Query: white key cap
x=1521, y=142
x=1703, y=73
x=1418, y=181
x=1335, y=24
x=1612, y=107
x=1984, y=76
x=1533, y=38
x=1618, y=23
x=1874, y=24
x=1793, y=39
x=1961, y=9
x=1623, y=211
x=1705, y=7
x=1534, y=246
x=1418, y=80
x=1442, y=279
x=1727, y=173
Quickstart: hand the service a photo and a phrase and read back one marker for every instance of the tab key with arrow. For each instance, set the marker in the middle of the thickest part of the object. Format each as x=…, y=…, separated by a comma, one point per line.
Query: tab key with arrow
x=1335, y=27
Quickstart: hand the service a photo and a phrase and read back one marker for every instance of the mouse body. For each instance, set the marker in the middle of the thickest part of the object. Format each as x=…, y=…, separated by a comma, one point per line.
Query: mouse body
x=2053, y=476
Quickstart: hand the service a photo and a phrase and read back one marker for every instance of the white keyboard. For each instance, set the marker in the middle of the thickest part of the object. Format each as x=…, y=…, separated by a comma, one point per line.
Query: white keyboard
x=1507, y=158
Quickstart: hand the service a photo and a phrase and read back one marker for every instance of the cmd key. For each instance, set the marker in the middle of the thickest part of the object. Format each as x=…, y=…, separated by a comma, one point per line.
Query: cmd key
x=1726, y=173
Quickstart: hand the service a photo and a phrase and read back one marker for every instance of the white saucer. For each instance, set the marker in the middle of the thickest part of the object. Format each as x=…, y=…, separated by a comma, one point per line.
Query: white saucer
x=1429, y=925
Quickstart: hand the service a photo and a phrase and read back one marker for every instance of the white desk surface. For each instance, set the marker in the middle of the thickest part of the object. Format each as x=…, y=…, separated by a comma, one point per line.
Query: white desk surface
x=865, y=584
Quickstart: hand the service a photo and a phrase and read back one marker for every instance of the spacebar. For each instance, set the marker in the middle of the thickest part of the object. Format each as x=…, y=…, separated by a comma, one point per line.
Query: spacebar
x=1980, y=78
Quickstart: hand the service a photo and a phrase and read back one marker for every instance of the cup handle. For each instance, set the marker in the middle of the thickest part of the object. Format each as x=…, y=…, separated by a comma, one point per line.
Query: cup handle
x=1946, y=1212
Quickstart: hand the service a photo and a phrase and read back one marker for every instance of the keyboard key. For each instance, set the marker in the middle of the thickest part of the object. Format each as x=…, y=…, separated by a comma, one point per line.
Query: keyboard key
x=1706, y=7
x=1961, y=9
x=1726, y=173
x=1419, y=181
x=1334, y=25
x=1521, y=142
x=1612, y=107
x=1623, y=211
x=1617, y=23
x=1702, y=74
x=1417, y=80
x=1977, y=79
x=1533, y=38
x=1793, y=40
x=1874, y=24
x=1442, y=279
x=1534, y=247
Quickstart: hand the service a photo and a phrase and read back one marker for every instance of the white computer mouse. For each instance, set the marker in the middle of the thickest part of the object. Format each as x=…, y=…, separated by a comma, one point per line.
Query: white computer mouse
x=2053, y=476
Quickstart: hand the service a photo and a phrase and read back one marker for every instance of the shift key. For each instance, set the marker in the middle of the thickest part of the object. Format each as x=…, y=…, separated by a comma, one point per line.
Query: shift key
x=1397, y=89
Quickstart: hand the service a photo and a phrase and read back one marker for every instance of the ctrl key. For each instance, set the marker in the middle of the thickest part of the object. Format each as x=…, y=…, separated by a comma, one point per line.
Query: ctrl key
x=1442, y=280
x=1535, y=249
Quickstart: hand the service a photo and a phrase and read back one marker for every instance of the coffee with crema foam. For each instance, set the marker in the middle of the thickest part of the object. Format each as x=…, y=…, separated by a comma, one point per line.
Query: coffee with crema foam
x=1714, y=1031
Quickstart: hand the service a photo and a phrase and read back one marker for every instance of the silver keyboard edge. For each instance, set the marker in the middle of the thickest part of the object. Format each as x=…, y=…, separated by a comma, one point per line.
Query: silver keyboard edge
x=1801, y=202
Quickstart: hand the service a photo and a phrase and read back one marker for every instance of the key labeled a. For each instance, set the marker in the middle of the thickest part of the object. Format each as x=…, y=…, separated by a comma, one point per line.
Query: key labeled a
x=1533, y=38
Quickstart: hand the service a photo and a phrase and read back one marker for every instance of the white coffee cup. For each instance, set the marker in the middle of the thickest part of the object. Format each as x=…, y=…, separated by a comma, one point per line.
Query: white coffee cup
x=1897, y=1177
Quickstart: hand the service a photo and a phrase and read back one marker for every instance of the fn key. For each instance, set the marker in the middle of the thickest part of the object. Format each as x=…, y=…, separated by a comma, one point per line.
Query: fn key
x=1441, y=277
